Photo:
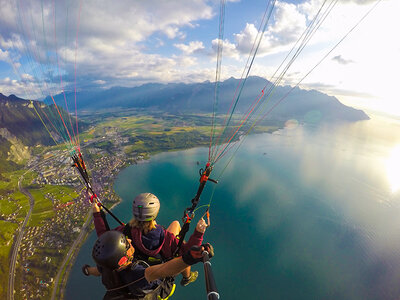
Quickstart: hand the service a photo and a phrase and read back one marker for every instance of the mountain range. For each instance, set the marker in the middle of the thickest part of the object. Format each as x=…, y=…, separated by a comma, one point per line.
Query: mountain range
x=289, y=102
x=21, y=128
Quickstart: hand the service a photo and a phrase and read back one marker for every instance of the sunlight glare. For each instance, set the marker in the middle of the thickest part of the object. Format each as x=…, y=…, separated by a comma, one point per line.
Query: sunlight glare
x=393, y=169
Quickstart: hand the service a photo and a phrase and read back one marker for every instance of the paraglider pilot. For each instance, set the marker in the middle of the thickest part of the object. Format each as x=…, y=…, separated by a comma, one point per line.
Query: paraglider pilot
x=153, y=243
x=127, y=278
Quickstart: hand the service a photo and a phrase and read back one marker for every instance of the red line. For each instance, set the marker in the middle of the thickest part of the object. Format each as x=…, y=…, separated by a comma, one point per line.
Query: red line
x=76, y=50
x=62, y=119
x=61, y=80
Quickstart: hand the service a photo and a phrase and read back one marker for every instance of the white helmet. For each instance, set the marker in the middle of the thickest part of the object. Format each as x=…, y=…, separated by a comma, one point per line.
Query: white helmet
x=145, y=207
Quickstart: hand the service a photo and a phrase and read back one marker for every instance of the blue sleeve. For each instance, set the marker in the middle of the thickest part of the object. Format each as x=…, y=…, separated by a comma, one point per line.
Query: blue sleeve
x=136, y=275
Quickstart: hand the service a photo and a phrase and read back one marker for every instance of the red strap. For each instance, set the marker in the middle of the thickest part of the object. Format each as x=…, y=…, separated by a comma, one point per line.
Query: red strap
x=204, y=177
x=92, y=197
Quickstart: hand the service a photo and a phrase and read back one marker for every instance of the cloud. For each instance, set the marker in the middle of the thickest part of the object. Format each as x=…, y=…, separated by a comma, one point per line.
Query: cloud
x=290, y=23
x=359, y=2
x=129, y=43
x=341, y=60
x=228, y=49
x=4, y=56
x=287, y=25
x=114, y=42
x=192, y=47
x=27, y=77
x=16, y=87
x=99, y=82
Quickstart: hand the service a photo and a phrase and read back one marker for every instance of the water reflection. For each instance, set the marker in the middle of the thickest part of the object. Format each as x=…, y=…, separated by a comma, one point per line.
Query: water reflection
x=393, y=169
x=309, y=212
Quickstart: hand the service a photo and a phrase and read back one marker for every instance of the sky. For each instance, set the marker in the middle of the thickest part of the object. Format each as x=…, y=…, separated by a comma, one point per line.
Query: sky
x=49, y=46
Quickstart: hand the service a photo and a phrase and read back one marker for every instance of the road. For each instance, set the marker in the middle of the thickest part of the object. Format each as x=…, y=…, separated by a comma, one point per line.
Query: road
x=17, y=242
x=68, y=256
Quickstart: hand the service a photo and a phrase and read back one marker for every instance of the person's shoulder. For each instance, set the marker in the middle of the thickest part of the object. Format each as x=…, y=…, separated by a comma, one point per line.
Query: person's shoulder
x=160, y=227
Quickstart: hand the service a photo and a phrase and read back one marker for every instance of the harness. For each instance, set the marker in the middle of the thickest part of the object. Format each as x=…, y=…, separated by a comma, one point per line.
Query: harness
x=117, y=290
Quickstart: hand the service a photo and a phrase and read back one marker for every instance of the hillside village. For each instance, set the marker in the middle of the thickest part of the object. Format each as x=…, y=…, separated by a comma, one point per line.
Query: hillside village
x=44, y=245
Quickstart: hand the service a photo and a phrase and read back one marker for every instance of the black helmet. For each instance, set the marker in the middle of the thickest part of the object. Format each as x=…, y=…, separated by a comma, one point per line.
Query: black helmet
x=145, y=207
x=109, y=248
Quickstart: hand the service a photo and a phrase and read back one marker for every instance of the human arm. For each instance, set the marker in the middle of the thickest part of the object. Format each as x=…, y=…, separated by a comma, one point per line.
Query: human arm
x=170, y=268
x=196, y=239
x=99, y=224
x=178, y=264
x=98, y=220
x=88, y=270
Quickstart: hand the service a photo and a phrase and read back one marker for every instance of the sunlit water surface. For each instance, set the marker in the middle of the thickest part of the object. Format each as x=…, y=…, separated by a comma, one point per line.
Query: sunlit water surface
x=305, y=213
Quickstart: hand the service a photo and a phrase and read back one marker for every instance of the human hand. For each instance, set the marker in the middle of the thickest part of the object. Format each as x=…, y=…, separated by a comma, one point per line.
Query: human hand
x=195, y=254
x=209, y=248
x=95, y=207
x=92, y=197
x=201, y=226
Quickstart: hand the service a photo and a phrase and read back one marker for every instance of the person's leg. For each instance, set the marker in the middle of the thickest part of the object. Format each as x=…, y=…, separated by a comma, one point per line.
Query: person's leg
x=186, y=273
x=174, y=227
x=188, y=276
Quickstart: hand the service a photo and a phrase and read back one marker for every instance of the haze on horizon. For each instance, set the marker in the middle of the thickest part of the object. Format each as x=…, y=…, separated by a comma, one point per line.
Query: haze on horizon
x=129, y=44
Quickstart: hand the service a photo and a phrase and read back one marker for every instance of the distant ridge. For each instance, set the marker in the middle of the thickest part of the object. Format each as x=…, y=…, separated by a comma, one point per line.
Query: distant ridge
x=20, y=128
x=18, y=117
x=304, y=105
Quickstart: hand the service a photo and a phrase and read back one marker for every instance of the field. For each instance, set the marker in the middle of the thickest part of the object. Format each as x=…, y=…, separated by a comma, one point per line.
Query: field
x=13, y=208
x=146, y=134
x=46, y=199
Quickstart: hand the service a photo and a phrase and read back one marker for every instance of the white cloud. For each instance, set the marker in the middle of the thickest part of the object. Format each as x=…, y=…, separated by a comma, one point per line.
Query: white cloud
x=99, y=82
x=228, y=49
x=245, y=39
x=341, y=60
x=27, y=77
x=190, y=48
x=4, y=56
x=112, y=36
x=133, y=42
x=287, y=25
x=12, y=86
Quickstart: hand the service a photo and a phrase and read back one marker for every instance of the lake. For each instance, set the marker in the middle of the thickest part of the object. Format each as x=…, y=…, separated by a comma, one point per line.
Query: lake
x=304, y=213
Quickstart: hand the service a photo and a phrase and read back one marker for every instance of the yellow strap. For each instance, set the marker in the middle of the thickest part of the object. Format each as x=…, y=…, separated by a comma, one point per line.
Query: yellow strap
x=170, y=294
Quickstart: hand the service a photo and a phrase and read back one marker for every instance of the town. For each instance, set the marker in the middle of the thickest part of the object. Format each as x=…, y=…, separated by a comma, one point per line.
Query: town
x=44, y=245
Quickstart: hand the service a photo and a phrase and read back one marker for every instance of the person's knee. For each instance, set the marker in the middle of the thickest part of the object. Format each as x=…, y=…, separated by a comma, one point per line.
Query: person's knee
x=174, y=227
x=176, y=223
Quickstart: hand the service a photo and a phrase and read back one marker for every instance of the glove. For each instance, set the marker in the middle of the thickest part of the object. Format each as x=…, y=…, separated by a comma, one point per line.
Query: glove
x=210, y=249
x=195, y=254
x=85, y=270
